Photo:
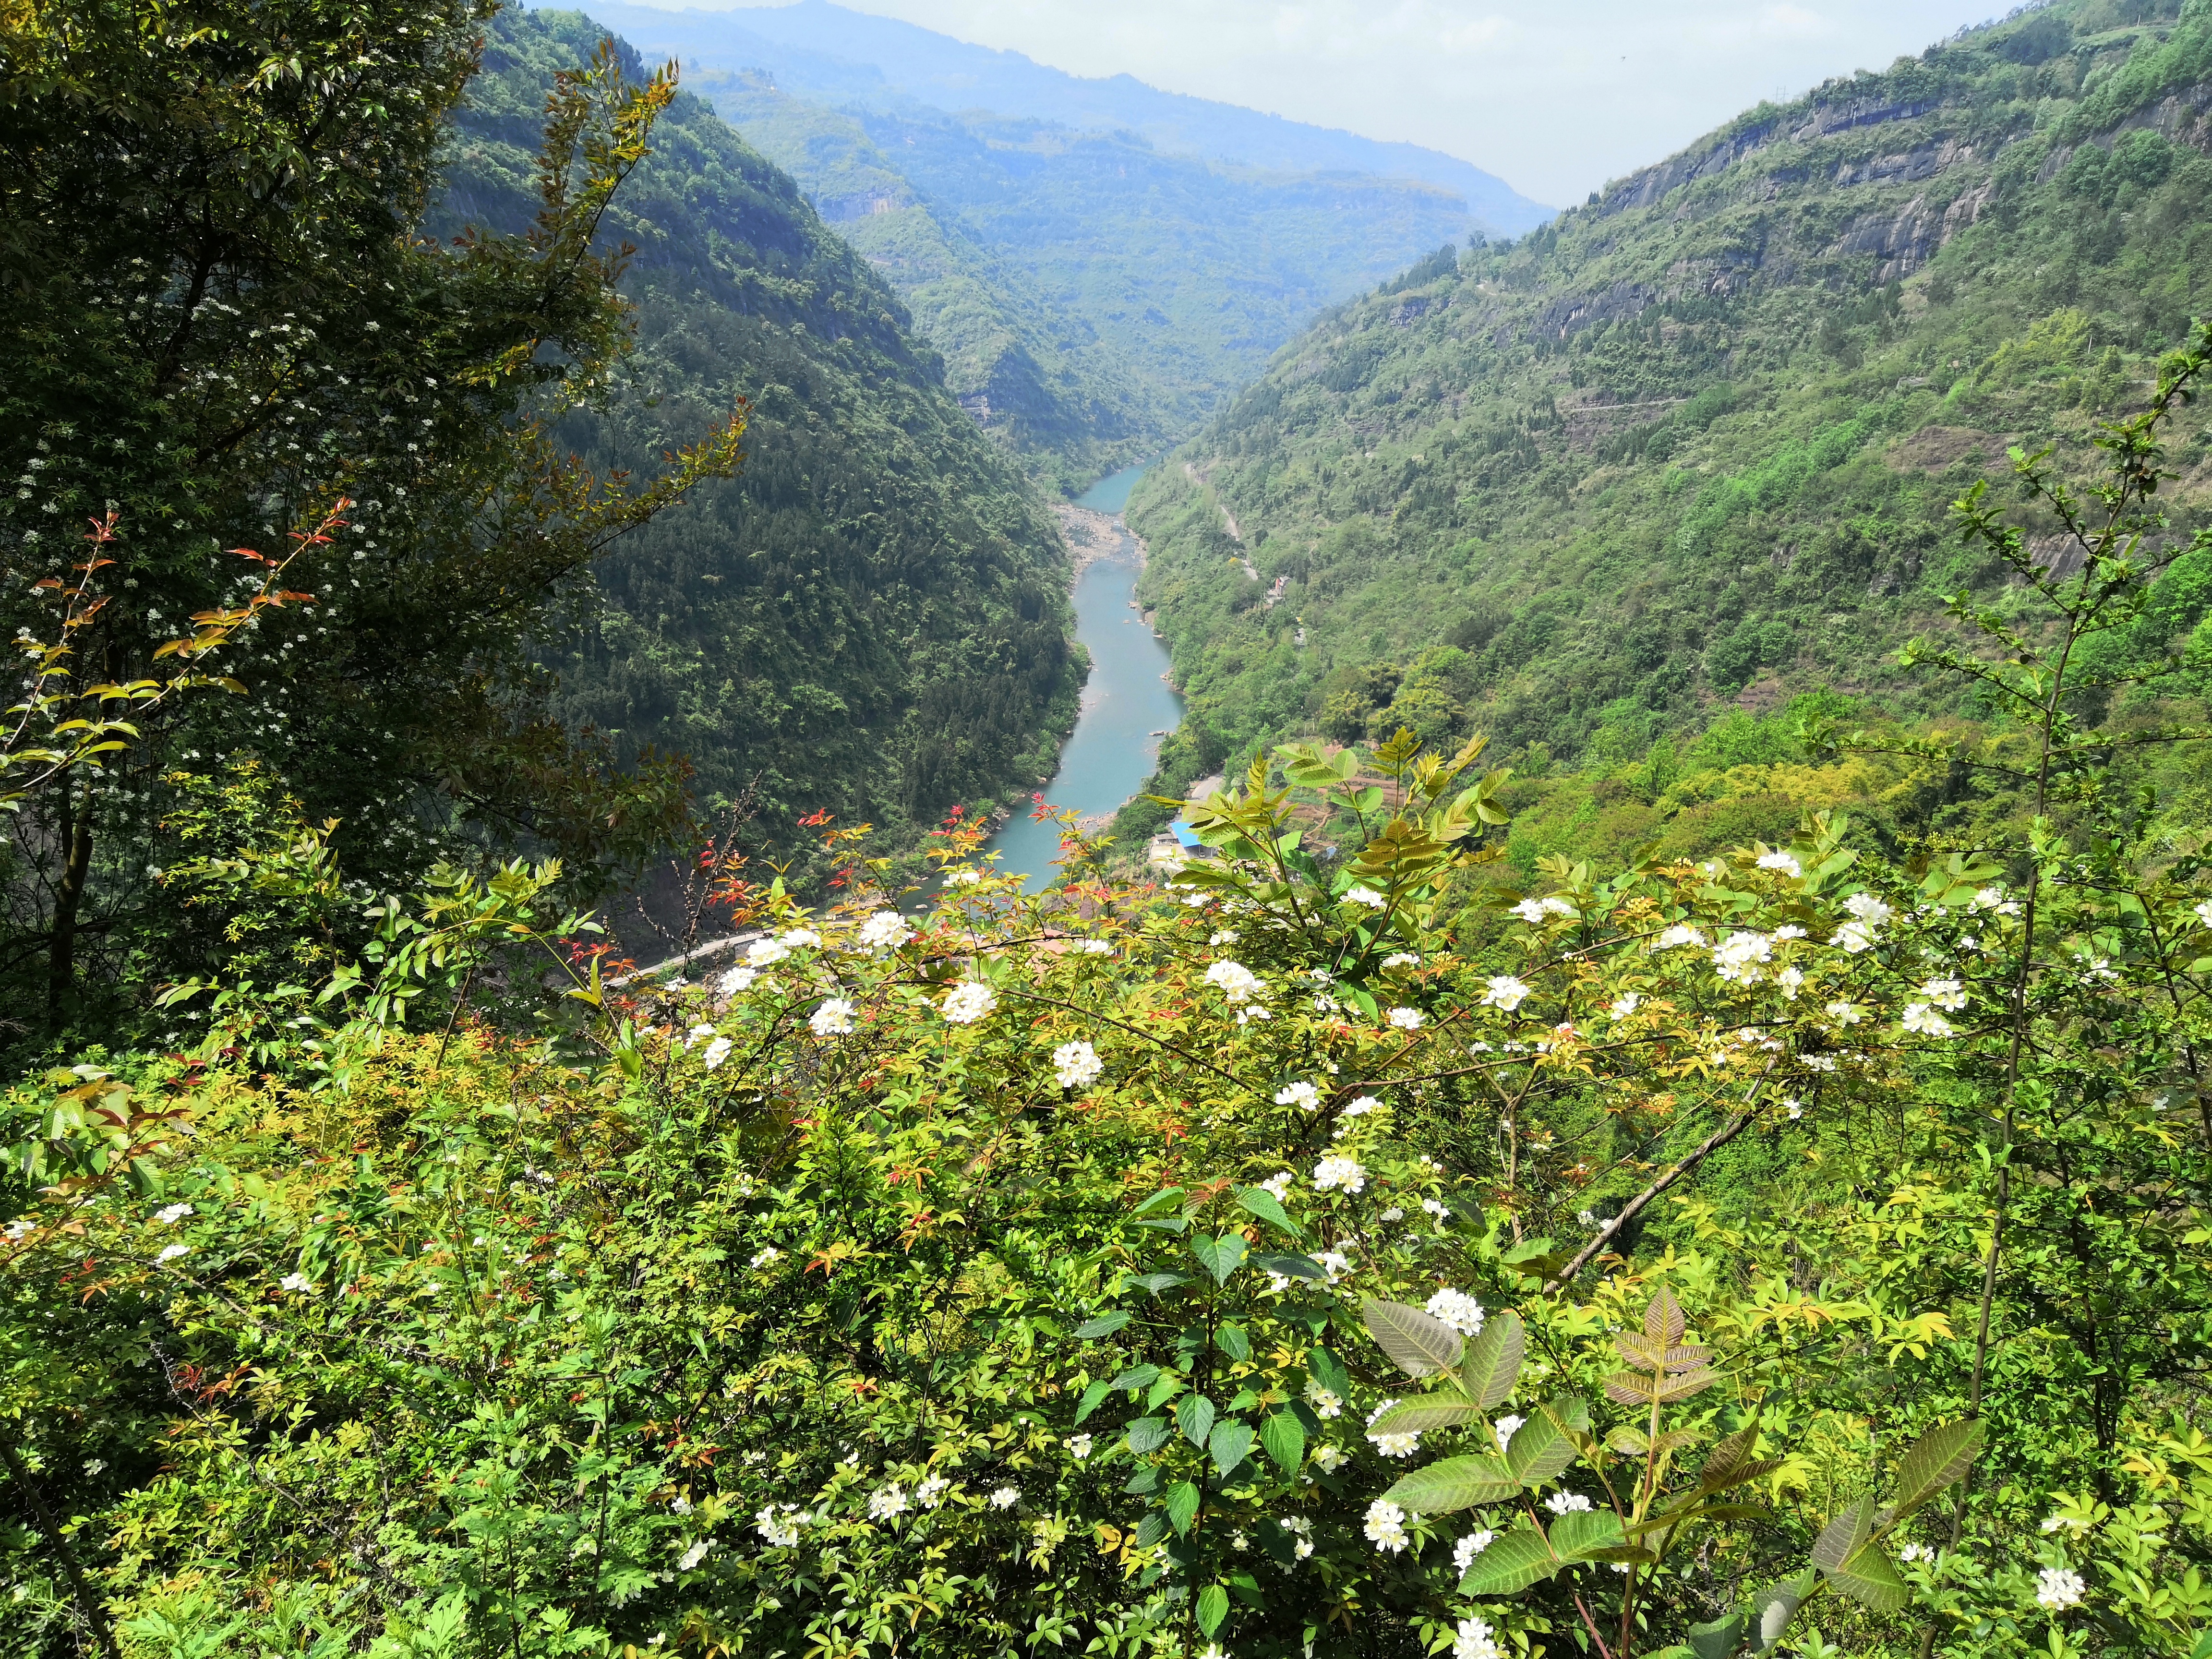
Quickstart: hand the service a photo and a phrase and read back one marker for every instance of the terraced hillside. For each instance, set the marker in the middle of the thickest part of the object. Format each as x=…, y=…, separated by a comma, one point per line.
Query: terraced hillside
x=1693, y=445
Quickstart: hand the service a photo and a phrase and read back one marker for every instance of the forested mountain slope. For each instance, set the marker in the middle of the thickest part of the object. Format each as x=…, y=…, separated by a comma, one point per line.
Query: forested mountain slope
x=871, y=617
x=1094, y=295
x=1695, y=442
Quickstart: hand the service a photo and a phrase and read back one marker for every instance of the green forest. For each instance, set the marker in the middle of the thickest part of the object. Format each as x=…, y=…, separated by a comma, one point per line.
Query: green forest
x=1665, y=1117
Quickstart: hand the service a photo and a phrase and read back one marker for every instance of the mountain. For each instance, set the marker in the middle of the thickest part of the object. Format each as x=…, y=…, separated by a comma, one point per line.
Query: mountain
x=872, y=617
x=1096, y=294
x=829, y=53
x=1692, y=448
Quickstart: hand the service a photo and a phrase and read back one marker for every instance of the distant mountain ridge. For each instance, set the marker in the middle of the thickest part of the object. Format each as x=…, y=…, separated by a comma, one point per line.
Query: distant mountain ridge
x=826, y=52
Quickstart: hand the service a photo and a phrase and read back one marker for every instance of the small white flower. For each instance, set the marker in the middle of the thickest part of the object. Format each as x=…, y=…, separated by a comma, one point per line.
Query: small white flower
x=1325, y=1402
x=1855, y=937
x=171, y=1252
x=833, y=1018
x=1401, y=959
x=1457, y=1309
x=1079, y=1446
x=1077, y=1064
x=1680, y=934
x=2053, y=1523
x=1280, y=1184
x=2204, y=913
x=1918, y=1016
x=968, y=1001
x=1867, y=908
x=1796, y=1108
x=1506, y=1427
x=1737, y=956
x=20, y=1229
x=802, y=939
x=717, y=1052
x=1468, y=1548
x=1782, y=934
x=737, y=979
x=692, y=1037
x=1566, y=1503
x=1945, y=993
x=767, y=1256
x=1303, y=1095
x=172, y=1214
x=1096, y=947
x=764, y=952
x=1846, y=1013
x=695, y=1555
x=95, y=1465
x=1221, y=936
x=1791, y=982
x=1237, y=982
x=1331, y=1173
x=1212, y=1650
x=1386, y=1527
x=1405, y=1019
x=886, y=930
x=1916, y=1552
x=2059, y=1588
x=1782, y=861
x=1006, y=1497
x=1366, y=895
x=781, y=1531
x=1391, y=1445
x=298, y=1284
x=931, y=1492
x=886, y=1503
x=1503, y=991
x=1476, y=1639
x=964, y=878
x=1363, y=1105
x=1434, y=1208
x=1334, y=1263
x=1331, y=1458
x=1625, y=1004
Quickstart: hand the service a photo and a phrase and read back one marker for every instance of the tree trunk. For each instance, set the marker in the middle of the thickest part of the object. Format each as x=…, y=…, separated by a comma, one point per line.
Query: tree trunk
x=76, y=861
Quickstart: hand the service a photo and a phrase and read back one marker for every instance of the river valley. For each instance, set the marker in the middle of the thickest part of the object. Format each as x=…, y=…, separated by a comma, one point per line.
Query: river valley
x=1127, y=704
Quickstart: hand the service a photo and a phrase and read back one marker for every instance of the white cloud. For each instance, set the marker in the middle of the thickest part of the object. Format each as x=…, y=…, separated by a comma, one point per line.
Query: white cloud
x=1554, y=98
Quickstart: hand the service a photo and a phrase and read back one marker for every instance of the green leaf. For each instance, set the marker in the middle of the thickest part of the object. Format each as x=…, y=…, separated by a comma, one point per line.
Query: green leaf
x=1938, y=1459
x=1165, y=1224
x=1291, y=1267
x=1269, y=1208
x=1493, y=1359
x=1093, y=1397
x=1773, y=1607
x=1194, y=1417
x=1157, y=1283
x=1230, y=1443
x=1579, y=1535
x=1231, y=1341
x=1213, y=1608
x=1105, y=1325
x=1181, y=1506
x=1219, y=1257
x=1283, y=1437
x=1158, y=1200
x=1137, y=1376
x=1148, y=1434
x=1840, y=1539
x=1720, y=1640
x=1419, y=1342
x=1328, y=1371
x=1150, y=1530
x=1510, y=1565
x=1871, y=1578
x=1453, y=1483
x=1419, y=1416
x=1540, y=1448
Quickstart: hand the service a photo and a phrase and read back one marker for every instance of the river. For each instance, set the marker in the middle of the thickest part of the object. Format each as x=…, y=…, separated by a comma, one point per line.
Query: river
x=1126, y=699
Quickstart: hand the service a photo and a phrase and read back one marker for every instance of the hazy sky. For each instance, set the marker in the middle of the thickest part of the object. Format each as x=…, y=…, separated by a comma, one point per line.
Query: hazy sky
x=1554, y=96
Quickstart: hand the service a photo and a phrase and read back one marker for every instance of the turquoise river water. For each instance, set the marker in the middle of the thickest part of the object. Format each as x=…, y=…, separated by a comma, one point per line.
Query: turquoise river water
x=1127, y=703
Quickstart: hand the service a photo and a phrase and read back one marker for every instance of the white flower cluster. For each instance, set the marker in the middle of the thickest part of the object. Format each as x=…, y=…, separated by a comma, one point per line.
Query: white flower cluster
x=1280, y=1184
x=1386, y=1527
x=1331, y=1173
x=297, y=1284
x=1923, y=1021
x=171, y=1252
x=695, y=1555
x=1331, y=1458
x=1781, y=860
x=833, y=1018
x=887, y=1502
x=1405, y=1019
x=1325, y=1402
x=781, y=1531
x=767, y=1256
x=1457, y=1309
x=1006, y=1497
x=1366, y=895
x=931, y=1492
x=1860, y=932
x=1567, y=1503
x=968, y=1001
x=886, y=930
x=1237, y=982
x=1079, y=1446
x=1533, y=910
x=2057, y=1589
x=1077, y=1064
x=1681, y=933
x=1503, y=992
x=1468, y=1548
x=1625, y=1004
x=172, y=1214
x=1301, y=1531
x=1303, y=1095
x=1504, y=1428
x=717, y=1052
x=739, y=978
x=1475, y=1640
x=1401, y=959
x=1738, y=956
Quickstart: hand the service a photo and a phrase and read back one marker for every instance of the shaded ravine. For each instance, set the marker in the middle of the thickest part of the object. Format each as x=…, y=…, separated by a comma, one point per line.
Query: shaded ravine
x=1127, y=704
